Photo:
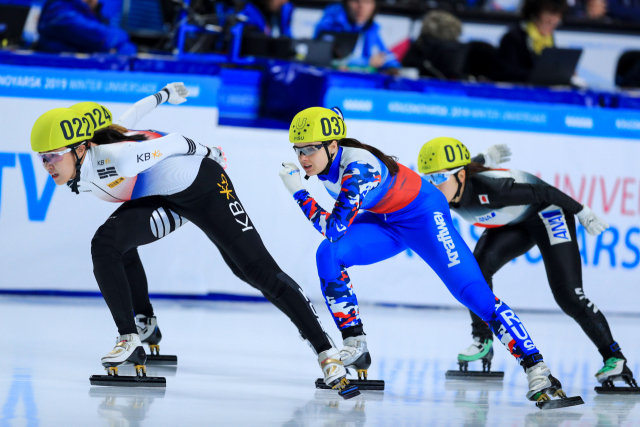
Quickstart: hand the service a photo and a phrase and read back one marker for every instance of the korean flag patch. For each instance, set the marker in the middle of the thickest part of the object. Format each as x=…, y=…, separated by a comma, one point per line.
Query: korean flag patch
x=484, y=199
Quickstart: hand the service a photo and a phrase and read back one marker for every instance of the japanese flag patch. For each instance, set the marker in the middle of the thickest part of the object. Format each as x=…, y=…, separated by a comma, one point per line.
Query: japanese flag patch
x=484, y=199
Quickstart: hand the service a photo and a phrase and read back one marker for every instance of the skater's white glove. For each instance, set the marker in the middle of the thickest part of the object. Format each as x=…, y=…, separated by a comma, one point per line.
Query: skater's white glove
x=290, y=176
x=177, y=93
x=591, y=222
x=217, y=154
x=496, y=154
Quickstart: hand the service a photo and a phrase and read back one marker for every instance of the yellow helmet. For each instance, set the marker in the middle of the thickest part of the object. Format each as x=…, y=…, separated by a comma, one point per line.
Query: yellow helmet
x=59, y=128
x=442, y=153
x=317, y=124
x=99, y=115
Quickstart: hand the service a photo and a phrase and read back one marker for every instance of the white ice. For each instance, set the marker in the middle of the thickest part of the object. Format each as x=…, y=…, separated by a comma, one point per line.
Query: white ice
x=242, y=364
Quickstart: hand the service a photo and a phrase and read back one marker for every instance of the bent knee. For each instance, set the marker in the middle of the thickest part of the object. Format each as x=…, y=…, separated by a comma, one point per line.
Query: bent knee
x=325, y=251
x=104, y=241
x=264, y=277
x=573, y=301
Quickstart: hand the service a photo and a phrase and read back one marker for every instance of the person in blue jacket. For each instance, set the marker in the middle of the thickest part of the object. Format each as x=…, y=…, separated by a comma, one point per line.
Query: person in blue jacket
x=356, y=16
x=78, y=26
x=270, y=17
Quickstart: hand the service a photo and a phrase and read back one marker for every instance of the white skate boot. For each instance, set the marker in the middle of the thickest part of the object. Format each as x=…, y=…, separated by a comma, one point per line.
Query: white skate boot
x=128, y=349
x=355, y=354
x=542, y=383
x=149, y=332
x=335, y=376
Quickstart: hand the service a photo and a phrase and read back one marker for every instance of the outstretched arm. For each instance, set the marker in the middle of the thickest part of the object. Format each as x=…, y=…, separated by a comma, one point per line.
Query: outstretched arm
x=175, y=93
x=357, y=181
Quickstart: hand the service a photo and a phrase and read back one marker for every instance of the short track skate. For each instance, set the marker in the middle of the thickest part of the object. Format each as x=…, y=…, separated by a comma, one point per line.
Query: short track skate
x=150, y=334
x=624, y=374
x=335, y=375
x=361, y=366
x=545, y=402
x=155, y=358
x=139, y=380
x=128, y=351
x=543, y=386
x=463, y=373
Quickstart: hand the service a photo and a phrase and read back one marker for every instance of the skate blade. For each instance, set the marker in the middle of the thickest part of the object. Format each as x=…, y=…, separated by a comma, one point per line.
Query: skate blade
x=560, y=403
x=474, y=376
x=350, y=392
x=361, y=384
x=161, y=359
x=127, y=381
x=617, y=390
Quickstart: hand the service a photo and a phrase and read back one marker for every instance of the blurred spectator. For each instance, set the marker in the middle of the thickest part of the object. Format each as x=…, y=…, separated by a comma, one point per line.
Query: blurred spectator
x=270, y=17
x=595, y=9
x=522, y=45
x=357, y=16
x=436, y=52
x=590, y=9
x=78, y=26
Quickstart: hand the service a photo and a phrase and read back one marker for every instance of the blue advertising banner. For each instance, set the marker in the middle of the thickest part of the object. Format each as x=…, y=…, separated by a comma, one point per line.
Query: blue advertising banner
x=398, y=106
x=98, y=85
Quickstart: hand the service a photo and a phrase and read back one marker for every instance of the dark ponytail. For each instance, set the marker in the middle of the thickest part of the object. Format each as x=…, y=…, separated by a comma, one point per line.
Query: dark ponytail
x=391, y=162
x=474, y=168
x=109, y=136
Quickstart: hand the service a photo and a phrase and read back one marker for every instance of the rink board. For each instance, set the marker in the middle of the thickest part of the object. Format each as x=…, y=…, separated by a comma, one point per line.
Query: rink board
x=45, y=229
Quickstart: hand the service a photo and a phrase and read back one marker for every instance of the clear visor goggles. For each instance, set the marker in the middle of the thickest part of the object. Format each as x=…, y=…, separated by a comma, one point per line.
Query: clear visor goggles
x=440, y=177
x=54, y=156
x=308, y=150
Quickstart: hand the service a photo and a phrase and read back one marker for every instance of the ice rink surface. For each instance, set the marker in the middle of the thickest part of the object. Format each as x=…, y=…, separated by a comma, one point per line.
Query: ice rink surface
x=242, y=364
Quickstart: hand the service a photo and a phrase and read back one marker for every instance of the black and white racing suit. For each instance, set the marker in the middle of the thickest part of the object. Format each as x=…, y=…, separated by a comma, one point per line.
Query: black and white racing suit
x=519, y=211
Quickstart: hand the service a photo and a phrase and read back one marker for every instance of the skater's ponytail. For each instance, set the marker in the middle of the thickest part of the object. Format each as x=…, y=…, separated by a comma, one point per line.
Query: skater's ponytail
x=391, y=162
x=110, y=135
x=474, y=168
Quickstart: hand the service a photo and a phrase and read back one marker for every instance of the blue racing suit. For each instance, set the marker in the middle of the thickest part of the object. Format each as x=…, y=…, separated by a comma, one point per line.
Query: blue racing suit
x=377, y=216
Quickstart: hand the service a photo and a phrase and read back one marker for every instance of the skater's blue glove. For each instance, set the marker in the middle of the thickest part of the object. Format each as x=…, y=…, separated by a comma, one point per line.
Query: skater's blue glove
x=591, y=222
x=290, y=176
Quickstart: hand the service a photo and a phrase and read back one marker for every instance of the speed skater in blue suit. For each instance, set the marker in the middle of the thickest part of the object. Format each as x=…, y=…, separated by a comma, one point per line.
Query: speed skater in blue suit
x=383, y=208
